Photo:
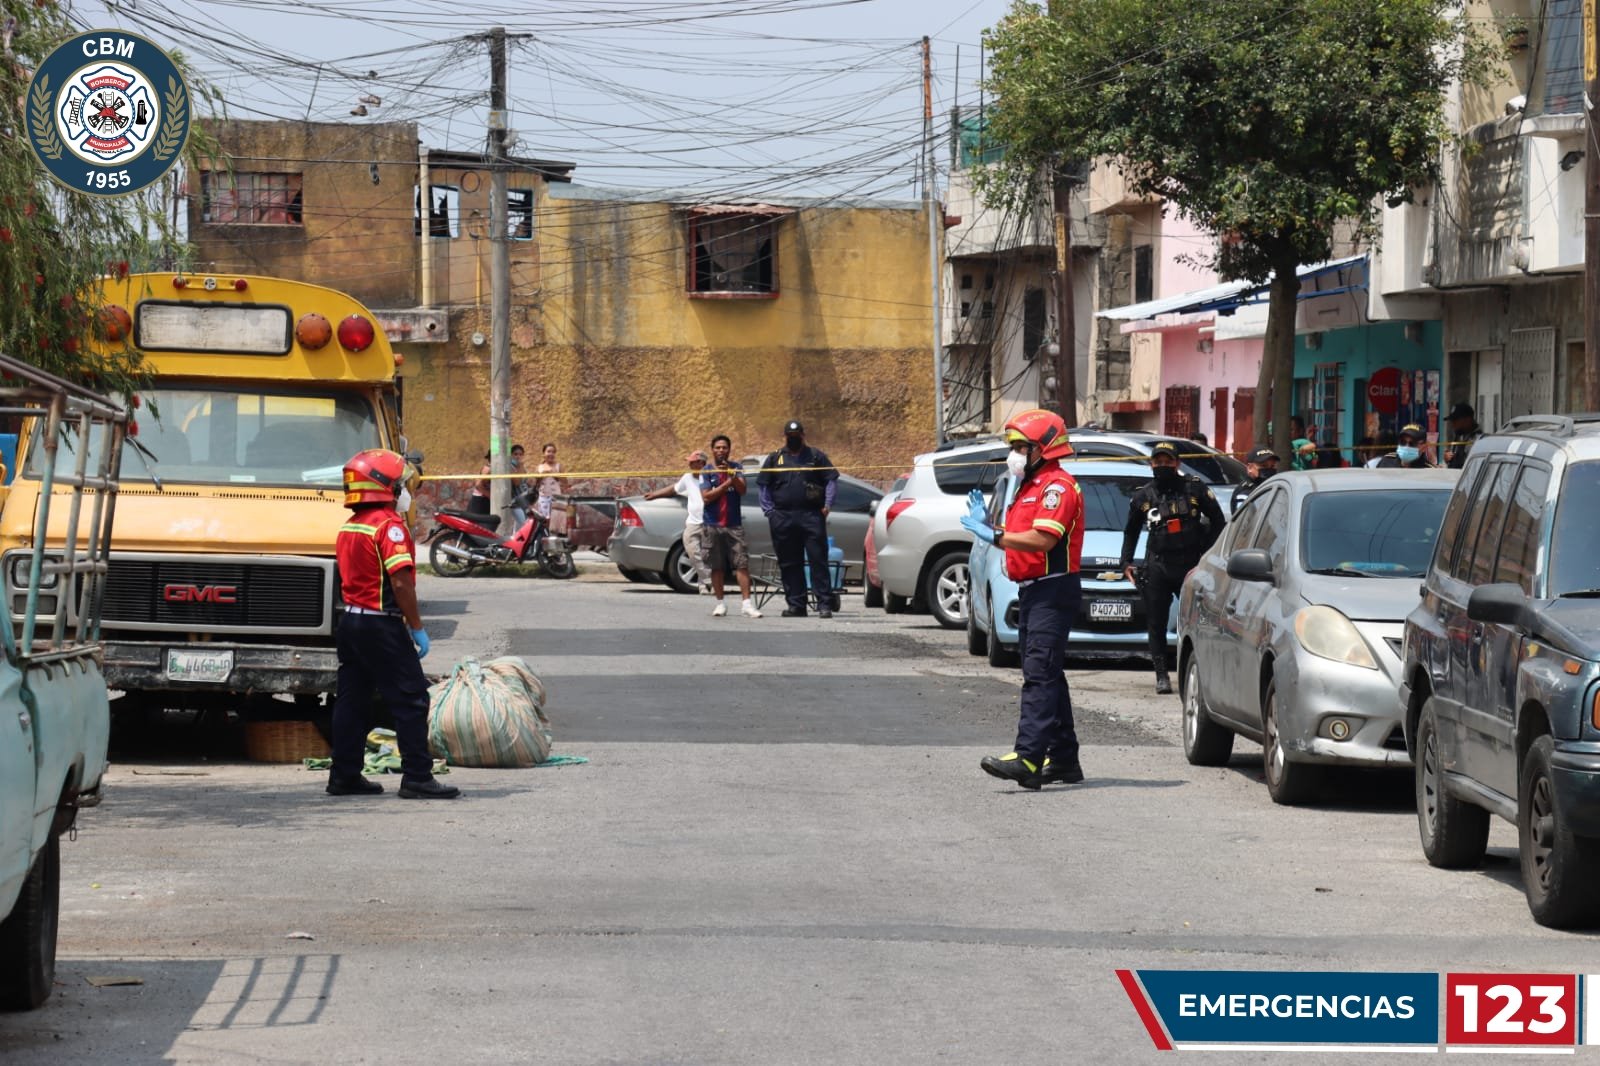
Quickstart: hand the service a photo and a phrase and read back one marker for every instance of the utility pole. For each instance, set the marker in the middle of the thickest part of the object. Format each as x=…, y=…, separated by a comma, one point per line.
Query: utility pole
x=930, y=202
x=1066, y=361
x=499, y=285
x=1591, y=209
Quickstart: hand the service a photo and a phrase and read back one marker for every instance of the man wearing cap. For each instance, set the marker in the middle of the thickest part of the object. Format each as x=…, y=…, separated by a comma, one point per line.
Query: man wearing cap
x=1181, y=518
x=1260, y=464
x=694, y=523
x=1408, y=452
x=797, y=484
x=1464, y=432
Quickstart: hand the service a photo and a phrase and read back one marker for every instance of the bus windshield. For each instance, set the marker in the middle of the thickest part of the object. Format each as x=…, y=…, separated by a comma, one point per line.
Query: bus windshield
x=209, y=435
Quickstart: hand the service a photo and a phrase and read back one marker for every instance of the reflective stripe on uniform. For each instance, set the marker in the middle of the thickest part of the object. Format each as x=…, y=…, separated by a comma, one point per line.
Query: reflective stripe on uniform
x=398, y=560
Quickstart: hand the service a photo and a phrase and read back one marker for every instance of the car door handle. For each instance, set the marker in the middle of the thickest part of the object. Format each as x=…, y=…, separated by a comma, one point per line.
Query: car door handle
x=24, y=721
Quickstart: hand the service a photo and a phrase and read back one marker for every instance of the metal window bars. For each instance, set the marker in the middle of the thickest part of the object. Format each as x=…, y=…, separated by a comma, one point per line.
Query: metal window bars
x=80, y=563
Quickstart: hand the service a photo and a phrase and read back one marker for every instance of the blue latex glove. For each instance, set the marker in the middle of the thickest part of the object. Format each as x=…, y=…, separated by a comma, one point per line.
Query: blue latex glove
x=420, y=638
x=978, y=528
x=976, y=508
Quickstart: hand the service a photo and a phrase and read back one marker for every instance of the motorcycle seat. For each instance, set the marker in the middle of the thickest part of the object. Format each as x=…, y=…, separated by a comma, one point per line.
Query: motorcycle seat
x=487, y=521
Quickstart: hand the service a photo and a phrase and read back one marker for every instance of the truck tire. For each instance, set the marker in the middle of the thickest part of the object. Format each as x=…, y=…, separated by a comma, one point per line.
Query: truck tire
x=1454, y=833
x=1559, y=868
x=28, y=936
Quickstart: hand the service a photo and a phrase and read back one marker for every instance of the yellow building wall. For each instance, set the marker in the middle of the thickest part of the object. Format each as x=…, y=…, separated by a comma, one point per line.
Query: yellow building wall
x=623, y=370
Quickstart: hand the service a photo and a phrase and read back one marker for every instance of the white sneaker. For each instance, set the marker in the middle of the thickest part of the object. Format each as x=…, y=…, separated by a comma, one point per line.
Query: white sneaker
x=719, y=610
x=705, y=590
x=749, y=610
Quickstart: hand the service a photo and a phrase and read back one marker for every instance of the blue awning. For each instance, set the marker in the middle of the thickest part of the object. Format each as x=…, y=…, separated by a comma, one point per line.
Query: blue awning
x=1226, y=298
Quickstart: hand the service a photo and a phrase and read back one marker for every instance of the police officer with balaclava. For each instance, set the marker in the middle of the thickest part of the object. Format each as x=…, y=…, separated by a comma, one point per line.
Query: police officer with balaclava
x=1260, y=464
x=1182, y=518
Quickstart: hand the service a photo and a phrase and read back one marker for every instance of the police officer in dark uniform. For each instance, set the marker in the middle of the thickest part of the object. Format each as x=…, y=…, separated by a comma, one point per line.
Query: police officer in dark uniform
x=1043, y=542
x=1407, y=453
x=797, y=484
x=1182, y=518
x=1260, y=464
x=1464, y=433
x=380, y=636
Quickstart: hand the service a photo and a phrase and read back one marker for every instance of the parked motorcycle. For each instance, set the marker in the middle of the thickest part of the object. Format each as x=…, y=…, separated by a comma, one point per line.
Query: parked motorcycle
x=461, y=541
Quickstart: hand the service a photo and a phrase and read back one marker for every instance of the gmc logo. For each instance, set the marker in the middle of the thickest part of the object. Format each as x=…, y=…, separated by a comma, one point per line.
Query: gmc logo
x=200, y=593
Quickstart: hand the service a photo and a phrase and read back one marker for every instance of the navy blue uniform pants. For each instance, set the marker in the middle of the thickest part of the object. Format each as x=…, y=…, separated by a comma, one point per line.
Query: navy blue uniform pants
x=1048, y=608
x=798, y=538
x=376, y=655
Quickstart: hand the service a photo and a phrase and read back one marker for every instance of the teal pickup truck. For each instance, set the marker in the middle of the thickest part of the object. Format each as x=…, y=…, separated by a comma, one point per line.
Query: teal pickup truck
x=55, y=719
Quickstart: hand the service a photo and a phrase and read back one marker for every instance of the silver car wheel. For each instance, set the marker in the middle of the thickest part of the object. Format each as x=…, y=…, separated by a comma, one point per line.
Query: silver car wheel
x=1191, y=705
x=1275, y=758
x=1430, y=787
x=953, y=590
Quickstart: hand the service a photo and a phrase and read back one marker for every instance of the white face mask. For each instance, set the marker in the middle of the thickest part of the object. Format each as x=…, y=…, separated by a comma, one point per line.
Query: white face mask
x=403, y=504
x=1017, y=463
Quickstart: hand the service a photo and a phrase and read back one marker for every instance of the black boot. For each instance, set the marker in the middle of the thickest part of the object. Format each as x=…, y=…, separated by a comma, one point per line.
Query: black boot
x=352, y=786
x=1163, y=682
x=1061, y=773
x=1012, y=767
x=432, y=789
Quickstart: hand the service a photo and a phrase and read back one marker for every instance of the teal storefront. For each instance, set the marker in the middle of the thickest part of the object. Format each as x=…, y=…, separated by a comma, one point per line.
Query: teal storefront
x=1368, y=381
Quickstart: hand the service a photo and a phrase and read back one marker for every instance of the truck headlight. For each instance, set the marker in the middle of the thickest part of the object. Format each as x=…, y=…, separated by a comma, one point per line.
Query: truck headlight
x=1328, y=634
x=21, y=563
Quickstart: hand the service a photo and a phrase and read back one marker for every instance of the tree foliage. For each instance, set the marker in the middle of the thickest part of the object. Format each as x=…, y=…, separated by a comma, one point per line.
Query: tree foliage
x=55, y=243
x=1270, y=123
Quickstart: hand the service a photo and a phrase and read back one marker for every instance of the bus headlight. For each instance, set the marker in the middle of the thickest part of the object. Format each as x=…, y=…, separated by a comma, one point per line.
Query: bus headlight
x=21, y=562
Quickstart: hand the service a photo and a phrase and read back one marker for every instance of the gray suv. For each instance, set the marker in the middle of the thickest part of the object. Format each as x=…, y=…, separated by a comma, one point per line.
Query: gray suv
x=1501, y=681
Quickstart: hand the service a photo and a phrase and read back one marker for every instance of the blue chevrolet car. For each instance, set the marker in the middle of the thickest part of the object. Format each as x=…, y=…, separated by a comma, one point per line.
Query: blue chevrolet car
x=1112, y=618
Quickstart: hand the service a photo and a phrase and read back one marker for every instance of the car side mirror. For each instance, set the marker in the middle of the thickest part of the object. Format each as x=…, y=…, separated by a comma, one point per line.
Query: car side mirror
x=1501, y=603
x=1250, y=564
x=415, y=458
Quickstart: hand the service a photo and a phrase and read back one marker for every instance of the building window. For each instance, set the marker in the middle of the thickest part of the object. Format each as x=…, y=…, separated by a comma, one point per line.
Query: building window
x=250, y=199
x=1563, y=57
x=1033, y=322
x=733, y=255
x=519, y=214
x=1144, y=281
x=444, y=212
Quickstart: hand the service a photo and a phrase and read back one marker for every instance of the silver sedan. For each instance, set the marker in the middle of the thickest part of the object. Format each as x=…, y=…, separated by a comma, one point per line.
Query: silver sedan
x=647, y=541
x=1289, y=630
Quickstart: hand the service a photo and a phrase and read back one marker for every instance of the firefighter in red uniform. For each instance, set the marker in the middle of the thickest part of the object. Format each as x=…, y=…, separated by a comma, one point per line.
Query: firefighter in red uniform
x=1043, y=542
x=380, y=635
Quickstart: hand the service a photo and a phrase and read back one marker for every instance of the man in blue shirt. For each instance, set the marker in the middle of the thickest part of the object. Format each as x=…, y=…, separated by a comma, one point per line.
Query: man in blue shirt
x=721, y=488
x=797, y=484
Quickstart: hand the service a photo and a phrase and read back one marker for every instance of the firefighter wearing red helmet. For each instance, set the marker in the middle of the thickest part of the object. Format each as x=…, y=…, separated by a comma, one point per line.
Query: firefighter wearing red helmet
x=1043, y=541
x=380, y=635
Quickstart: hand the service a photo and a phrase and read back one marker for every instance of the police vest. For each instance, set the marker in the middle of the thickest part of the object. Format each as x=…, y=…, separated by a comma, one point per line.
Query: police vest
x=802, y=488
x=1172, y=519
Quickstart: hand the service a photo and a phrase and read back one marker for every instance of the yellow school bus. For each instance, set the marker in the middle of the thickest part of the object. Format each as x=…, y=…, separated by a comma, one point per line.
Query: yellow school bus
x=221, y=576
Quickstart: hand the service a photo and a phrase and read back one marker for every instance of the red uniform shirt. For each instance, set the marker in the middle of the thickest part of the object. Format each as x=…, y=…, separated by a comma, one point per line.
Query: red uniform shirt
x=372, y=545
x=1051, y=502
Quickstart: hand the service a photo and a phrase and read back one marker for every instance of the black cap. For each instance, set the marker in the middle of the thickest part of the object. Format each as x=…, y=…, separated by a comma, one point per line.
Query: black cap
x=1412, y=430
x=1461, y=410
x=1164, y=447
x=794, y=426
x=1261, y=455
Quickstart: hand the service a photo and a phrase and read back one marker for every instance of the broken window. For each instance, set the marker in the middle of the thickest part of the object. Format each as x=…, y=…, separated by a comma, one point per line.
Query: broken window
x=519, y=214
x=734, y=252
x=251, y=199
x=444, y=212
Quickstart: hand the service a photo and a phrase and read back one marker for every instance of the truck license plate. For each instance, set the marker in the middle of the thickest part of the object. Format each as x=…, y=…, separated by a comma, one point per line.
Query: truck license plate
x=1111, y=610
x=209, y=666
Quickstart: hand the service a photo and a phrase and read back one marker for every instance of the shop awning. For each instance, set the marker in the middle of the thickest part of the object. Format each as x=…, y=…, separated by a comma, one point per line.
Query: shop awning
x=1226, y=298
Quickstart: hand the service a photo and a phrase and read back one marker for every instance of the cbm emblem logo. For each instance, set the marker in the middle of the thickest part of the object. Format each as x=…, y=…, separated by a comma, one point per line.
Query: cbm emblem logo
x=108, y=113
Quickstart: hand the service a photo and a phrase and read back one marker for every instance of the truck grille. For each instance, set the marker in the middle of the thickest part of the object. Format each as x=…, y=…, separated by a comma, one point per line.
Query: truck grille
x=185, y=594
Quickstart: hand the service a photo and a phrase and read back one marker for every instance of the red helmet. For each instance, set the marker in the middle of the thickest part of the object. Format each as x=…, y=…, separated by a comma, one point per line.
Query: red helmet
x=373, y=477
x=1041, y=427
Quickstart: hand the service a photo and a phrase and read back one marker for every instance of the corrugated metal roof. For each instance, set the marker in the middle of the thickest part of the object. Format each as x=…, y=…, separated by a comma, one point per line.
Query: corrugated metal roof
x=763, y=210
x=1216, y=297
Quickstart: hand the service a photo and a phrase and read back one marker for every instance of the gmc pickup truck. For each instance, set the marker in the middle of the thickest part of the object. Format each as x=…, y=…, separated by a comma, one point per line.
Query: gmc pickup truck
x=55, y=719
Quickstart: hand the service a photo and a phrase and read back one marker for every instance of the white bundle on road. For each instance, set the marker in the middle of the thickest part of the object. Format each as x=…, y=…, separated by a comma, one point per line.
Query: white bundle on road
x=489, y=715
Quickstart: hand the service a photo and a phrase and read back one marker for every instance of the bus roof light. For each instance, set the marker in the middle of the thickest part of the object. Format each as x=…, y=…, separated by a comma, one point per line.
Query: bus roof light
x=115, y=323
x=180, y=282
x=313, y=331
x=356, y=334
x=239, y=284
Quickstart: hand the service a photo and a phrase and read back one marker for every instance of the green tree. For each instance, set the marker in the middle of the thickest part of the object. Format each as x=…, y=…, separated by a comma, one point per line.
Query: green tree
x=55, y=243
x=1273, y=124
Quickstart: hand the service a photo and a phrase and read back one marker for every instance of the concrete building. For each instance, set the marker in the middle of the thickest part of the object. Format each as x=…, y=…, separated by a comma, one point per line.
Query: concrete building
x=641, y=323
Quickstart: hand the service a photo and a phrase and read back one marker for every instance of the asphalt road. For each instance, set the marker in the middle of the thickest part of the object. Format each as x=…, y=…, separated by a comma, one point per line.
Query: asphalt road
x=781, y=852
